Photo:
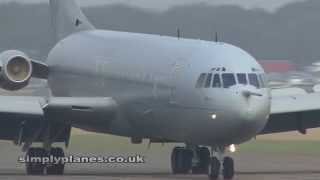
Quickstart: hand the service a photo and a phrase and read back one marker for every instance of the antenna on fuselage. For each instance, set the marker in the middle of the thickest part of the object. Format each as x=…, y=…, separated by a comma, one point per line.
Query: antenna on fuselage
x=216, y=37
x=178, y=33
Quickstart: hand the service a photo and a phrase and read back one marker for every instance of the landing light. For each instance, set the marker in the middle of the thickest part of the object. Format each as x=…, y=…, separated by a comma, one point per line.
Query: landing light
x=232, y=148
x=214, y=116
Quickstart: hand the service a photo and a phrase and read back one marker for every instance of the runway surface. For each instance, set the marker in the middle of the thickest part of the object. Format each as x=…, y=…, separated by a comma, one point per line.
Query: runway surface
x=249, y=167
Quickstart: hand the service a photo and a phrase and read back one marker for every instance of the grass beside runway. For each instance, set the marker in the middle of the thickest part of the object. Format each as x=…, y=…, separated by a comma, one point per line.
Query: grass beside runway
x=282, y=147
x=92, y=143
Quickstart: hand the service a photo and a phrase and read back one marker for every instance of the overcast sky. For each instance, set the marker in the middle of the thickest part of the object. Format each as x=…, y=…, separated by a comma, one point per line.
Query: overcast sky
x=160, y=5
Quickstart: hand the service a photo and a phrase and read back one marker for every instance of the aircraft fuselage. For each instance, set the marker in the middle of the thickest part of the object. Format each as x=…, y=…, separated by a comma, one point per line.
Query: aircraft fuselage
x=155, y=80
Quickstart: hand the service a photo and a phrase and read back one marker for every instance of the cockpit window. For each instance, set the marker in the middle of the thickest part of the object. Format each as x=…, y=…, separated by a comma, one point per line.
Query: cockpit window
x=242, y=79
x=216, y=81
x=253, y=80
x=208, y=81
x=261, y=80
x=228, y=80
x=201, y=80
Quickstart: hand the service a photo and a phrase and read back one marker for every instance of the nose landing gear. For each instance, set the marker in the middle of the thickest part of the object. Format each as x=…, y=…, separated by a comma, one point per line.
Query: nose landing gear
x=221, y=165
x=228, y=168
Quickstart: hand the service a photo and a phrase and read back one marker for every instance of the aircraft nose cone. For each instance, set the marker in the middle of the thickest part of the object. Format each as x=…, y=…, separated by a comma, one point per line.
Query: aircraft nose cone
x=255, y=108
x=249, y=114
x=253, y=105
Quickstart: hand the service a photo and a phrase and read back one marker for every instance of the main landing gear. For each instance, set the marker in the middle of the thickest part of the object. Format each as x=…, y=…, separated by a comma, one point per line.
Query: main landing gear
x=35, y=166
x=198, y=160
x=184, y=160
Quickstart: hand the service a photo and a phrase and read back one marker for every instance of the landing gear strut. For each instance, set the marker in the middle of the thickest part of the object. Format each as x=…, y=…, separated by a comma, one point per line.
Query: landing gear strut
x=35, y=167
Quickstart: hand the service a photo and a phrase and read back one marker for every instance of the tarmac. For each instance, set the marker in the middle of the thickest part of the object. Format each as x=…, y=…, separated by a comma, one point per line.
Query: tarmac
x=248, y=166
x=255, y=165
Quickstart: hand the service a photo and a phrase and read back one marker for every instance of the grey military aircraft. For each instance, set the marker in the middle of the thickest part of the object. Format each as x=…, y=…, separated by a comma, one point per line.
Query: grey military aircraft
x=207, y=95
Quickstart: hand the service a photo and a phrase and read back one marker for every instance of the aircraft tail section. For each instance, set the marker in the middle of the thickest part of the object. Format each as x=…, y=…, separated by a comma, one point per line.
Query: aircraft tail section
x=67, y=18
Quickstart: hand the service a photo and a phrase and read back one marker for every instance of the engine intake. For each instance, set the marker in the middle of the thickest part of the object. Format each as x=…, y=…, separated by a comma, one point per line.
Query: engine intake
x=16, y=70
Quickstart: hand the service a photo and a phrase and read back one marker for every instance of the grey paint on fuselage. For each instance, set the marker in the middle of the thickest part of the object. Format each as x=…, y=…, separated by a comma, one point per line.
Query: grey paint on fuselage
x=153, y=79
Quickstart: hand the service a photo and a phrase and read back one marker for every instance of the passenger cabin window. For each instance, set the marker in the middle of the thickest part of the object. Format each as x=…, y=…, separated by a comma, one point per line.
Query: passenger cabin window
x=228, y=80
x=253, y=80
x=201, y=80
x=208, y=81
x=242, y=79
x=216, y=81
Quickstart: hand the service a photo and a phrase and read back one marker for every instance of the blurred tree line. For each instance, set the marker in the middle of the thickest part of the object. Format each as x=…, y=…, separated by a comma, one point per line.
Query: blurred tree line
x=290, y=33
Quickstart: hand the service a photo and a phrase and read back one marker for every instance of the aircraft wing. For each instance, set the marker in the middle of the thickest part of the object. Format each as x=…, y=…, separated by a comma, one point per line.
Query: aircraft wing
x=36, y=119
x=294, y=113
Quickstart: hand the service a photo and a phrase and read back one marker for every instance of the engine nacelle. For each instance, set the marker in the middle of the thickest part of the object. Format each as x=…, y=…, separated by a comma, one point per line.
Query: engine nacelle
x=16, y=70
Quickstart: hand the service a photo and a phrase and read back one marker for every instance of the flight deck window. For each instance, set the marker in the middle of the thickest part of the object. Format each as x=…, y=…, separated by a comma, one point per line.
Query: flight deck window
x=201, y=80
x=261, y=80
x=216, y=81
x=208, y=81
x=253, y=80
x=242, y=79
x=228, y=80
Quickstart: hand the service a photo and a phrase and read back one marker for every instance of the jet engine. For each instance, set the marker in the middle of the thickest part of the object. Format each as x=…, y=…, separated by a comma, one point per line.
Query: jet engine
x=16, y=70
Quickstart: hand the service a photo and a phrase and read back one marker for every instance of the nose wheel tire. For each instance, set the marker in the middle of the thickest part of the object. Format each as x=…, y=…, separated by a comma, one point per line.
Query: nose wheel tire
x=228, y=168
x=214, y=168
x=181, y=160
